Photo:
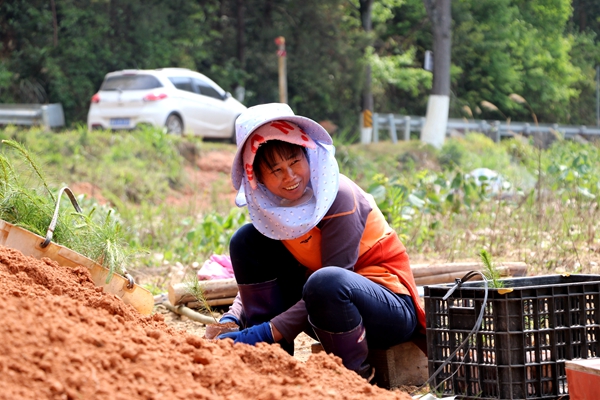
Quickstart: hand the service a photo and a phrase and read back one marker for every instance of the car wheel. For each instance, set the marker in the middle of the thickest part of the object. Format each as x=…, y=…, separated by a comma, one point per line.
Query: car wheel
x=174, y=125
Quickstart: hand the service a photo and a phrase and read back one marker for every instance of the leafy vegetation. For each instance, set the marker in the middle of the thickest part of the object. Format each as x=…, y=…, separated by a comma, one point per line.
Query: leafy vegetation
x=543, y=209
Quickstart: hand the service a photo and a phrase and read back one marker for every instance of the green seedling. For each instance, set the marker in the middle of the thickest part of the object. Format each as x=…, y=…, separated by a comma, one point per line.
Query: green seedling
x=490, y=271
x=194, y=288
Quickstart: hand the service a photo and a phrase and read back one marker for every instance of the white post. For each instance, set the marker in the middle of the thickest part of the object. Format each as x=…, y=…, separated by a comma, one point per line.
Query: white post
x=366, y=126
x=434, y=130
x=392, y=123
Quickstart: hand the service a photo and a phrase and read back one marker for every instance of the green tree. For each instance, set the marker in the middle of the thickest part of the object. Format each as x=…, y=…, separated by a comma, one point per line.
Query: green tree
x=544, y=50
x=542, y=58
x=400, y=84
x=499, y=47
x=324, y=56
x=93, y=38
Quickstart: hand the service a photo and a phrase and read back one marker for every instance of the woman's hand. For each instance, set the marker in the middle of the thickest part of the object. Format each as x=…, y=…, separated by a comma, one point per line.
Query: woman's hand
x=230, y=318
x=252, y=335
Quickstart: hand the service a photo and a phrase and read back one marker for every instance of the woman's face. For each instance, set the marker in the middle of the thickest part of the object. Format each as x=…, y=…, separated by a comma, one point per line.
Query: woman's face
x=287, y=178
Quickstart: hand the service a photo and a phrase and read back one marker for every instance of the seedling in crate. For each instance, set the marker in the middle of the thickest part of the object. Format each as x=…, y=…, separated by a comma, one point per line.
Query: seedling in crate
x=490, y=271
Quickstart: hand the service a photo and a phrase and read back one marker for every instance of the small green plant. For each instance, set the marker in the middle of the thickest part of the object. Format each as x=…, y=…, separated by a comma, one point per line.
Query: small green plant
x=194, y=288
x=490, y=271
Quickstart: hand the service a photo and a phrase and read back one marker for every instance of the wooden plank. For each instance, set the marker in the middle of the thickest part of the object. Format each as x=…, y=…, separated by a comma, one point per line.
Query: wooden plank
x=433, y=274
x=212, y=302
x=29, y=244
x=434, y=269
x=401, y=365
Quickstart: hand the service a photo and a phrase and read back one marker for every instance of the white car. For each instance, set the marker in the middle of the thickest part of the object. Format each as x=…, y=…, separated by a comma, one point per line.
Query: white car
x=181, y=100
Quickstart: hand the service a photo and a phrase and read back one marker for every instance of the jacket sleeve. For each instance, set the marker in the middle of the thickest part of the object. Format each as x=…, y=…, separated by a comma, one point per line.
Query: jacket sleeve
x=292, y=322
x=236, y=310
x=289, y=323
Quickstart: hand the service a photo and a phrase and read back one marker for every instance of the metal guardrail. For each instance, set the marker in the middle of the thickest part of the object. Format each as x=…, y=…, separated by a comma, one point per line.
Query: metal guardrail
x=494, y=129
x=47, y=115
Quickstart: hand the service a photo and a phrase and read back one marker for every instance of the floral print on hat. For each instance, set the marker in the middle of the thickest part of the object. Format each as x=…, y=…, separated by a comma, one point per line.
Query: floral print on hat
x=274, y=130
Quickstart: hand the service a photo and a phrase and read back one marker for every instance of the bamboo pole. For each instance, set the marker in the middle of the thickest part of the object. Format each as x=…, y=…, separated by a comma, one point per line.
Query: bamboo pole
x=191, y=314
x=512, y=268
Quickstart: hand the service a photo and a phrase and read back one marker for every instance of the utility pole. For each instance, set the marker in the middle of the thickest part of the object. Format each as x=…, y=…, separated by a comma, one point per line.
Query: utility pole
x=281, y=54
x=366, y=116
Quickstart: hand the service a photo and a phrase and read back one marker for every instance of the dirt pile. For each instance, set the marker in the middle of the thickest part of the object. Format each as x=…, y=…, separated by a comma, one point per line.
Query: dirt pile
x=63, y=338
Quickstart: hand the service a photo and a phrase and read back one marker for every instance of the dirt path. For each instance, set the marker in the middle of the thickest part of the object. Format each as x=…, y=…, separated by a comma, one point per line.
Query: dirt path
x=63, y=338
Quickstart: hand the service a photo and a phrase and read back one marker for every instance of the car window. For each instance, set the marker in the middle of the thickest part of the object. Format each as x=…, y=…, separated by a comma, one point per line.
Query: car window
x=130, y=82
x=206, y=89
x=182, y=83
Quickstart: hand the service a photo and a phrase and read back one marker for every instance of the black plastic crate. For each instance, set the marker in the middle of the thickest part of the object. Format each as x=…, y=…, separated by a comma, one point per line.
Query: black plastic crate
x=529, y=328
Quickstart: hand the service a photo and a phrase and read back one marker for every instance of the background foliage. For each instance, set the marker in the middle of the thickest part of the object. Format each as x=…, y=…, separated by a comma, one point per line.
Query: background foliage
x=544, y=50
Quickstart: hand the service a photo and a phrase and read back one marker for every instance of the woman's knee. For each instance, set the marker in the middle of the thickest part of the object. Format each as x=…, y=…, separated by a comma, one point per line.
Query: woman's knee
x=325, y=284
x=242, y=239
x=328, y=299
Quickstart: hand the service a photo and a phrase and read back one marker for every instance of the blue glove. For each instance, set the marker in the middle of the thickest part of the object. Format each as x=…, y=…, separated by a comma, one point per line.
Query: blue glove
x=230, y=318
x=252, y=335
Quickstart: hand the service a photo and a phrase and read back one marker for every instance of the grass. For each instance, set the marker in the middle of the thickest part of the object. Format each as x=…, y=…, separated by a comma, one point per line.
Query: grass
x=545, y=214
x=35, y=207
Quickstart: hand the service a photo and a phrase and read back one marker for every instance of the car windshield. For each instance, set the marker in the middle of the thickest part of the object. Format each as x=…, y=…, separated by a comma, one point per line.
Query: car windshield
x=130, y=82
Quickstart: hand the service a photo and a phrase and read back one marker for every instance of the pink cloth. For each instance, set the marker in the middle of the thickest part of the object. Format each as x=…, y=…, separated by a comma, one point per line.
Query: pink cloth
x=216, y=267
x=274, y=130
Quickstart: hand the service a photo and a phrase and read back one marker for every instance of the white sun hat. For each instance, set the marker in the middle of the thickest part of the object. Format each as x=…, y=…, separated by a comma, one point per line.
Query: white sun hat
x=267, y=213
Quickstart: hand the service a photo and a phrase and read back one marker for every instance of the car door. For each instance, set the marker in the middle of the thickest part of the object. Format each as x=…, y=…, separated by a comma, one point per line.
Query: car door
x=215, y=117
x=187, y=100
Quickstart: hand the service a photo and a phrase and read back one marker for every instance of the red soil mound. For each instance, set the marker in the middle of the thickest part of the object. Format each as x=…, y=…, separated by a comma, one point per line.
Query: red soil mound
x=63, y=338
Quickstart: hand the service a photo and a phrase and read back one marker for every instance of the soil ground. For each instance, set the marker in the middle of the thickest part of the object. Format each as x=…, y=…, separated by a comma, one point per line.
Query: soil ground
x=302, y=344
x=61, y=337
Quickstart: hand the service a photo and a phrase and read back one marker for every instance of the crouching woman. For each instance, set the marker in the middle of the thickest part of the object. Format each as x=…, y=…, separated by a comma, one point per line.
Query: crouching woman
x=319, y=256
